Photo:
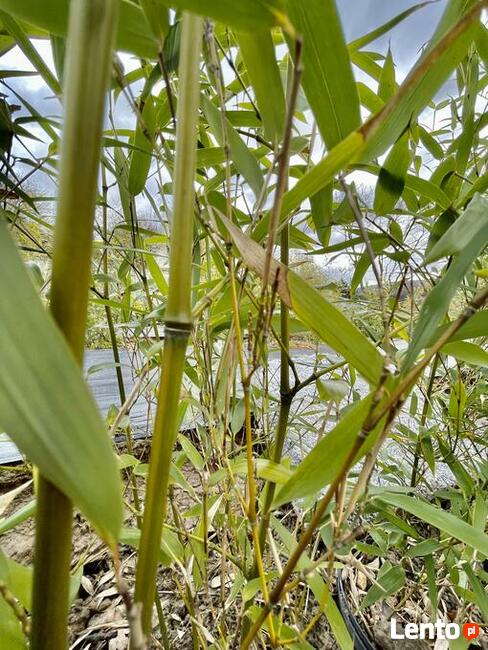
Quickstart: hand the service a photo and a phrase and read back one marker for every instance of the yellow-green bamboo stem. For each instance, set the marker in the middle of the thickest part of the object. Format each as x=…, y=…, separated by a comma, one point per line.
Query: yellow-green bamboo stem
x=91, y=32
x=178, y=321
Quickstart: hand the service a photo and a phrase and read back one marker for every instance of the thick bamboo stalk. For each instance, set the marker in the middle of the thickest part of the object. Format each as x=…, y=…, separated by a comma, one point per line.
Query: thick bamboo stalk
x=178, y=320
x=91, y=33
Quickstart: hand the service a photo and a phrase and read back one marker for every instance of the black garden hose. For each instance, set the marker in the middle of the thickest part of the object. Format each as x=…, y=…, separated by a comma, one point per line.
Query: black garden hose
x=361, y=639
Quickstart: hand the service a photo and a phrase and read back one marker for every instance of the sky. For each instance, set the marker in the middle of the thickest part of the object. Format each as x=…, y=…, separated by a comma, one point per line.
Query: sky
x=361, y=16
x=358, y=17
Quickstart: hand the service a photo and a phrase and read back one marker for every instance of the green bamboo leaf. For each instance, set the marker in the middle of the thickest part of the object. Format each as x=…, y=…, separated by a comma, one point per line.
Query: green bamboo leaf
x=58, y=427
x=425, y=439
x=265, y=469
x=13, y=576
x=437, y=303
x=242, y=157
x=247, y=16
x=313, y=309
x=321, y=208
x=466, y=138
x=18, y=579
x=387, y=85
x=421, y=186
x=468, y=352
x=328, y=80
x=476, y=326
x=385, y=28
x=242, y=118
x=434, y=516
x=367, y=63
x=482, y=43
x=447, y=48
x=122, y=178
x=427, y=190
x=390, y=580
x=318, y=586
x=396, y=231
x=460, y=473
x=171, y=52
x=430, y=143
x=480, y=596
x=345, y=153
x=58, y=48
x=472, y=224
x=192, y=453
x=479, y=185
x=430, y=568
x=30, y=51
x=426, y=547
x=132, y=36
x=326, y=459
x=11, y=635
x=332, y=389
x=364, y=262
x=210, y=157
x=18, y=517
x=391, y=180
x=368, y=98
x=384, y=128
x=258, y=53
x=300, y=240
x=457, y=398
x=439, y=228
x=362, y=265
x=157, y=17
x=170, y=548
x=144, y=141
x=156, y=273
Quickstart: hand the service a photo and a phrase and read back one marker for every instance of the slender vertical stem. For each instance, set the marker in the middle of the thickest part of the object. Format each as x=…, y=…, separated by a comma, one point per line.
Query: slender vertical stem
x=283, y=162
x=114, y=344
x=178, y=320
x=286, y=396
x=106, y=293
x=91, y=32
x=423, y=420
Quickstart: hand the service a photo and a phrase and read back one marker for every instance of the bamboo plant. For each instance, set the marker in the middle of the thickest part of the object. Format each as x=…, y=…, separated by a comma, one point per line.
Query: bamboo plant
x=285, y=474
x=88, y=64
x=178, y=318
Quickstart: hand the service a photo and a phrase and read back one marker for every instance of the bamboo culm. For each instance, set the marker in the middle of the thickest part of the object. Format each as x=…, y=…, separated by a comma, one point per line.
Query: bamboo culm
x=178, y=318
x=90, y=42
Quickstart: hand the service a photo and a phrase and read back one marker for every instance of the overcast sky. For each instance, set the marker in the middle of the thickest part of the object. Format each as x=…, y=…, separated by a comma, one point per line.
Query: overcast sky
x=361, y=16
x=358, y=16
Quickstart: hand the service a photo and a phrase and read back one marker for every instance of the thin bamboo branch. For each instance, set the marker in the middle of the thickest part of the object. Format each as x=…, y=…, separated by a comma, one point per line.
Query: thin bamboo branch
x=283, y=162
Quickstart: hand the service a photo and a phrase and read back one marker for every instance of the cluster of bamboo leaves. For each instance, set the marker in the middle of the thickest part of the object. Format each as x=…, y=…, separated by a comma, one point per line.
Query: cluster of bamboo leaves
x=248, y=126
